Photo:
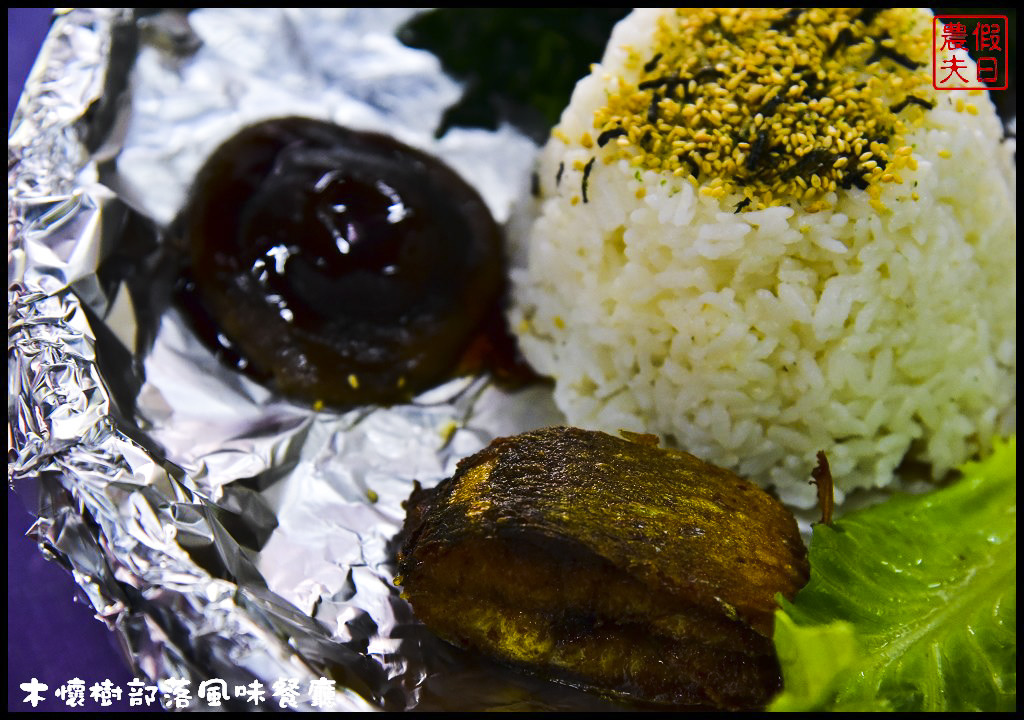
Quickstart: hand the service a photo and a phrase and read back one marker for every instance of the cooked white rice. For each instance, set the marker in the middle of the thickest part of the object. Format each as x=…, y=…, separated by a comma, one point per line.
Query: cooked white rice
x=756, y=339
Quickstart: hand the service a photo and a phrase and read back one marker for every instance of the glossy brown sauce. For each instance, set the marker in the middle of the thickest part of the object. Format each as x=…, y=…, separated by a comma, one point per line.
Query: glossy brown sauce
x=342, y=267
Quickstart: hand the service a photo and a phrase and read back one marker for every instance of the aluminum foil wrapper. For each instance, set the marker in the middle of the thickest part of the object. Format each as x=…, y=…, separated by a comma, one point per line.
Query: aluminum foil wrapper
x=221, y=531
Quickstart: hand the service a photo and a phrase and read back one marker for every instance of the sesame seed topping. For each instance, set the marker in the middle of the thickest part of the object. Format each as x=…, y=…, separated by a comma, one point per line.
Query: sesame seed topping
x=776, y=105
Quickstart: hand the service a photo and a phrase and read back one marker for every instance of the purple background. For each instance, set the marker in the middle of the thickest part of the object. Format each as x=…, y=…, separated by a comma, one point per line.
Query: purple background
x=50, y=636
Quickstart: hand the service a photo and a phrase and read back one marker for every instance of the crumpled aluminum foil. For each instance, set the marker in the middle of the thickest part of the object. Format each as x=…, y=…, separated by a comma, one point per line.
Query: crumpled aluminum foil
x=219, y=530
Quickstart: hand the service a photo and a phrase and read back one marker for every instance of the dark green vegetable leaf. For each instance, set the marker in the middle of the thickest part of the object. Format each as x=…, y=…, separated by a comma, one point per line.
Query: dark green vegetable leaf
x=912, y=604
x=519, y=65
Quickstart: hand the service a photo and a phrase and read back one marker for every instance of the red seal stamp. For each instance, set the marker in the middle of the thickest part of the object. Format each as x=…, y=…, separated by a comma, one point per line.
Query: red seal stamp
x=986, y=37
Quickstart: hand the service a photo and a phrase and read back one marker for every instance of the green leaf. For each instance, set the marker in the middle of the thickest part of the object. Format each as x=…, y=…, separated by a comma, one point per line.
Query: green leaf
x=912, y=604
x=816, y=658
x=518, y=65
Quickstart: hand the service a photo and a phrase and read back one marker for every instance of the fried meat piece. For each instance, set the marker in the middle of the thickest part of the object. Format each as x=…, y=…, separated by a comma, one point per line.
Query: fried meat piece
x=606, y=563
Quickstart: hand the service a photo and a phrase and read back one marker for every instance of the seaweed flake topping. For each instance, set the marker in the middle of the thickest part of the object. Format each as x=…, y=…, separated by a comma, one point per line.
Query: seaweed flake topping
x=778, y=106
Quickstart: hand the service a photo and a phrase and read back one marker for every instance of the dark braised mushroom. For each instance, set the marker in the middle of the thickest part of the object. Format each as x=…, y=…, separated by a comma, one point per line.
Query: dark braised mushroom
x=345, y=267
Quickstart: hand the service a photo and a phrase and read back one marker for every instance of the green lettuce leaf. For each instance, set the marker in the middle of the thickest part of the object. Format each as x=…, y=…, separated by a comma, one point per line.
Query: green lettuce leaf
x=912, y=604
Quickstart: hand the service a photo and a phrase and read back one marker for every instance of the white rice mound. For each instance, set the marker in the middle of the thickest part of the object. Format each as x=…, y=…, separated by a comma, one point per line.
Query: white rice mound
x=754, y=340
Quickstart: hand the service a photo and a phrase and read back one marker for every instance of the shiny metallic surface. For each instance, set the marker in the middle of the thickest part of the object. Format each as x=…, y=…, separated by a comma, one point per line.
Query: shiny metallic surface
x=221, y=531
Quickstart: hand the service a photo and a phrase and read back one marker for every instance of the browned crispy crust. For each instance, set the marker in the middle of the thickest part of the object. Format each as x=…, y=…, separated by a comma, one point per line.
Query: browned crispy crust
x=608, y=563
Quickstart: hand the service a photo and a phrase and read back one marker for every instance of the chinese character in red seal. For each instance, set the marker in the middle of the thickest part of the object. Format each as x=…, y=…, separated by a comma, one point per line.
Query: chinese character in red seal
x=986, y=37
x=954, y=36
x=958, y=38
x=988, y=70
x=954, y=65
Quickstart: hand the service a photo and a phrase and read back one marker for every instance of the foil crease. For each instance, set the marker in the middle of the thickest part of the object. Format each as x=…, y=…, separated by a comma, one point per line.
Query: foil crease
x=221, y=531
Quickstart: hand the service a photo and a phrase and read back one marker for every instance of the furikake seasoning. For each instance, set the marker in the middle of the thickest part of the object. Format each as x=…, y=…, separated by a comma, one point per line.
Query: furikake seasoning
x=777, y=106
